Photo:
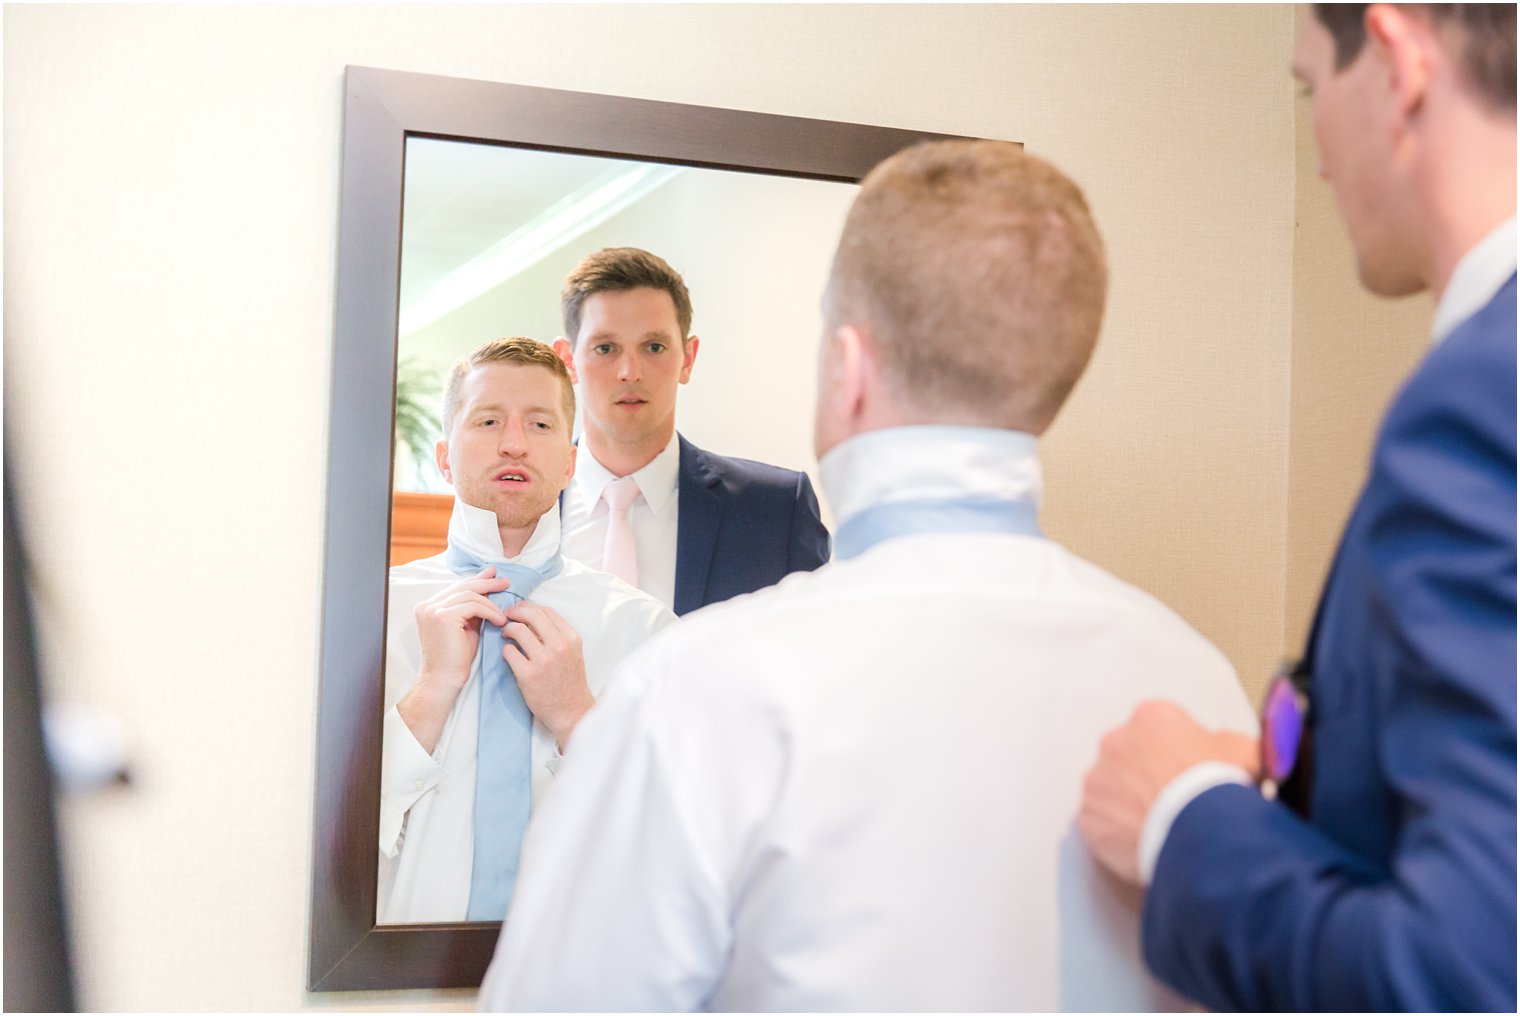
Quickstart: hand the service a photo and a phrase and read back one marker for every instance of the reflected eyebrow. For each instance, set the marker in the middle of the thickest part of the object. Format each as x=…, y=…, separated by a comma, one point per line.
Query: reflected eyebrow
x=663, y=336
x=498, y=410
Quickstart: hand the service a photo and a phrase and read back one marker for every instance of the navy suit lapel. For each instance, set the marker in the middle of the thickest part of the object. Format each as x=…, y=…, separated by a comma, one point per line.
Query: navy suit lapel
x=700, y=510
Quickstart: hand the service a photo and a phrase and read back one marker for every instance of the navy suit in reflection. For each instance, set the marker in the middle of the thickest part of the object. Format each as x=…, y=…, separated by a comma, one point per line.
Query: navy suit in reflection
x=743, y=526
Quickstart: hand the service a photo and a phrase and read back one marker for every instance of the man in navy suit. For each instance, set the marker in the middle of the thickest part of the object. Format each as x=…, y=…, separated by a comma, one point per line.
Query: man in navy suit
x=1382, y=877
x=686, y=526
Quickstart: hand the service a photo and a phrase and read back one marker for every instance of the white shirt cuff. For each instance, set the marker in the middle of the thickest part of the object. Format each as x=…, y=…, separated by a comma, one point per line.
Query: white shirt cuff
x=1175, y=796
x=407, y=772
x=554, y=758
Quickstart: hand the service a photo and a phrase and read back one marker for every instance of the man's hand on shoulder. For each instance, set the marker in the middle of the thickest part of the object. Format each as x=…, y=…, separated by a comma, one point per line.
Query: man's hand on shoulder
x=448, y=628
x=549, y=667
x=1135, y=763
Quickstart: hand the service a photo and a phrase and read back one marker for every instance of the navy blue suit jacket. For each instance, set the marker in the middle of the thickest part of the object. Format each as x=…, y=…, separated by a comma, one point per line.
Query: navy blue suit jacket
x=1397, y=892
x=742, y=526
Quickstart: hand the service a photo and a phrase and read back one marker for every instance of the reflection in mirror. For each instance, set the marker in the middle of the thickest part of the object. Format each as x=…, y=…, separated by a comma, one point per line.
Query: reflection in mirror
x=489, y=234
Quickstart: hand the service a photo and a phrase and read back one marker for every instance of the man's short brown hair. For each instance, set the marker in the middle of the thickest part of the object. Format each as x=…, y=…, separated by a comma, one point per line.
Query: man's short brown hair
x=615, y=270
x=979, y=274
x=519, y=351
x=1482, y=37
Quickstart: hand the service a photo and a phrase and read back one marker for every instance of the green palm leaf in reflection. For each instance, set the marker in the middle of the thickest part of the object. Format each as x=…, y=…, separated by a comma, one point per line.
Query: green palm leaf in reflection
x=418, y=424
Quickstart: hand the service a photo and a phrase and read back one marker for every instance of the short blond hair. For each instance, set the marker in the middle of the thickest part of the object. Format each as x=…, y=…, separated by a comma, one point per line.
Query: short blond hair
x=519, y=351
x=979, y=274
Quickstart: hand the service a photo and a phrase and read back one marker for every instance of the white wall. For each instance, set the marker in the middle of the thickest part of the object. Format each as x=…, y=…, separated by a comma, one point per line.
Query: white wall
x=171, y=185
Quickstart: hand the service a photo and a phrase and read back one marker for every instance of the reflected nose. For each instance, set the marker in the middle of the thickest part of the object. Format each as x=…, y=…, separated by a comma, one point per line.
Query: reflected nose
x=513, y=439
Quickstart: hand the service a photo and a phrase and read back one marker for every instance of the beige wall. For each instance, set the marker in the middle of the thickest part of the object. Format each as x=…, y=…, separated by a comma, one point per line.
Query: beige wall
x=171, y=183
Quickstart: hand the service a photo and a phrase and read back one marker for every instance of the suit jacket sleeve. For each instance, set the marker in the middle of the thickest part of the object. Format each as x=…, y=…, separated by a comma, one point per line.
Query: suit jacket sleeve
x=808, y=546
x=1253, y=907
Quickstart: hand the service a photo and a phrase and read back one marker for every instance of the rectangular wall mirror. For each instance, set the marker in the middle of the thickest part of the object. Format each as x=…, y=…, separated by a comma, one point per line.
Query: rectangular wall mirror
x=463, y=205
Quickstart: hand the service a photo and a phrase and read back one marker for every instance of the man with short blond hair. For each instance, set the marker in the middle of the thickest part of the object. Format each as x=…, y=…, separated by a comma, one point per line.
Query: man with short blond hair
x=685, y=525
x=522, y=352
x=1380, y=874
x=855, y=790
x=945, y=339
x=495, y=648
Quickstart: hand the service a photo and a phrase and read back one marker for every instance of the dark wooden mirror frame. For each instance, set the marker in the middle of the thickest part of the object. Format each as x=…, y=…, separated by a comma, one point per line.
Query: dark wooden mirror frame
x=348, y=951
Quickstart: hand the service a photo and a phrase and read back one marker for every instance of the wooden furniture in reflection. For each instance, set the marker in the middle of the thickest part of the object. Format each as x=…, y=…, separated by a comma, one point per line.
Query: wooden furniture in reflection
x=419, y=525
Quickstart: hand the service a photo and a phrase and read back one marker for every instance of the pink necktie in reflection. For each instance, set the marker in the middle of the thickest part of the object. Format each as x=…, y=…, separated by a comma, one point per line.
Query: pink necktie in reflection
x=618, y=556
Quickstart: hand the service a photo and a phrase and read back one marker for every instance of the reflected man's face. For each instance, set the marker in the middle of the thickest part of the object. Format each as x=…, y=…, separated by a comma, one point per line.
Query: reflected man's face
x=629, y=360
x=508, y=449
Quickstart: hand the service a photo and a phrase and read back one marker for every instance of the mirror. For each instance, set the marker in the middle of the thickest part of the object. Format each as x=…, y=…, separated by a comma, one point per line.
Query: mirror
x=385, y=111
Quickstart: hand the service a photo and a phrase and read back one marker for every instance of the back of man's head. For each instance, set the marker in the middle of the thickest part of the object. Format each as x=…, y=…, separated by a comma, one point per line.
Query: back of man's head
x=979, y=275
x=1479, y=37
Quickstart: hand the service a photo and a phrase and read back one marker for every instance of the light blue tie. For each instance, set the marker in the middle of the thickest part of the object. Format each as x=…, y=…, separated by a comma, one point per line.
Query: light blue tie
x=867, y=528
x=504, y=748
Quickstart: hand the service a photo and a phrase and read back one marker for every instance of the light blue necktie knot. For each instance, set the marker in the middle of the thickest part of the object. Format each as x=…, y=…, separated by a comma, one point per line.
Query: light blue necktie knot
x=870, y=526
x=504, y=745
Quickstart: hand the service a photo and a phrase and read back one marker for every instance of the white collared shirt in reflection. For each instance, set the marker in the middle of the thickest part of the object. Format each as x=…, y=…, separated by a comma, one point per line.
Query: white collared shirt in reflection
x=856, y=790
x=427, y=802
x=653, y=516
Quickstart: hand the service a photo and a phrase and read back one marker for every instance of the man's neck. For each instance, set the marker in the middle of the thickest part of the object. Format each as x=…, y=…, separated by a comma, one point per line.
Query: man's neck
x=514, y=540
x=623, y=459
x=1471, y=194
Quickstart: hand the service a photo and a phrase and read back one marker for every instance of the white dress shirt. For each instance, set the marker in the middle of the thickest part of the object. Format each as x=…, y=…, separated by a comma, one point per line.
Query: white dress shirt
x=427, y=801
x=652, y=516
x=857, y=789
x=1480, y=275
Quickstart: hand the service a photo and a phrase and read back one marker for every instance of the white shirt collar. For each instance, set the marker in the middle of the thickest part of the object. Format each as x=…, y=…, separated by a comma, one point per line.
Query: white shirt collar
x=474, y=530
x=657, y=480
x=1477, y=277
x=903, y=463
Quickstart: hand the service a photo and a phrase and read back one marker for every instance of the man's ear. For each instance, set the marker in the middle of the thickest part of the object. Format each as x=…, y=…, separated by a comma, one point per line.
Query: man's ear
x=1407, y=44
x=567, y=356
x=570, y=469
x=689, y=357
x=854, y=367
x=441, y=457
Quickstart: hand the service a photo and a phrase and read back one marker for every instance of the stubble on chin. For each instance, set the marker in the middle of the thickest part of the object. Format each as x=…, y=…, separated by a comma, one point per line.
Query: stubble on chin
x=519, y=513
x=511, y=512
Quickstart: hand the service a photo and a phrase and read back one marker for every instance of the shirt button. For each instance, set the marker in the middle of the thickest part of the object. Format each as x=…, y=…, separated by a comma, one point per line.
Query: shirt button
x=417, y=785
